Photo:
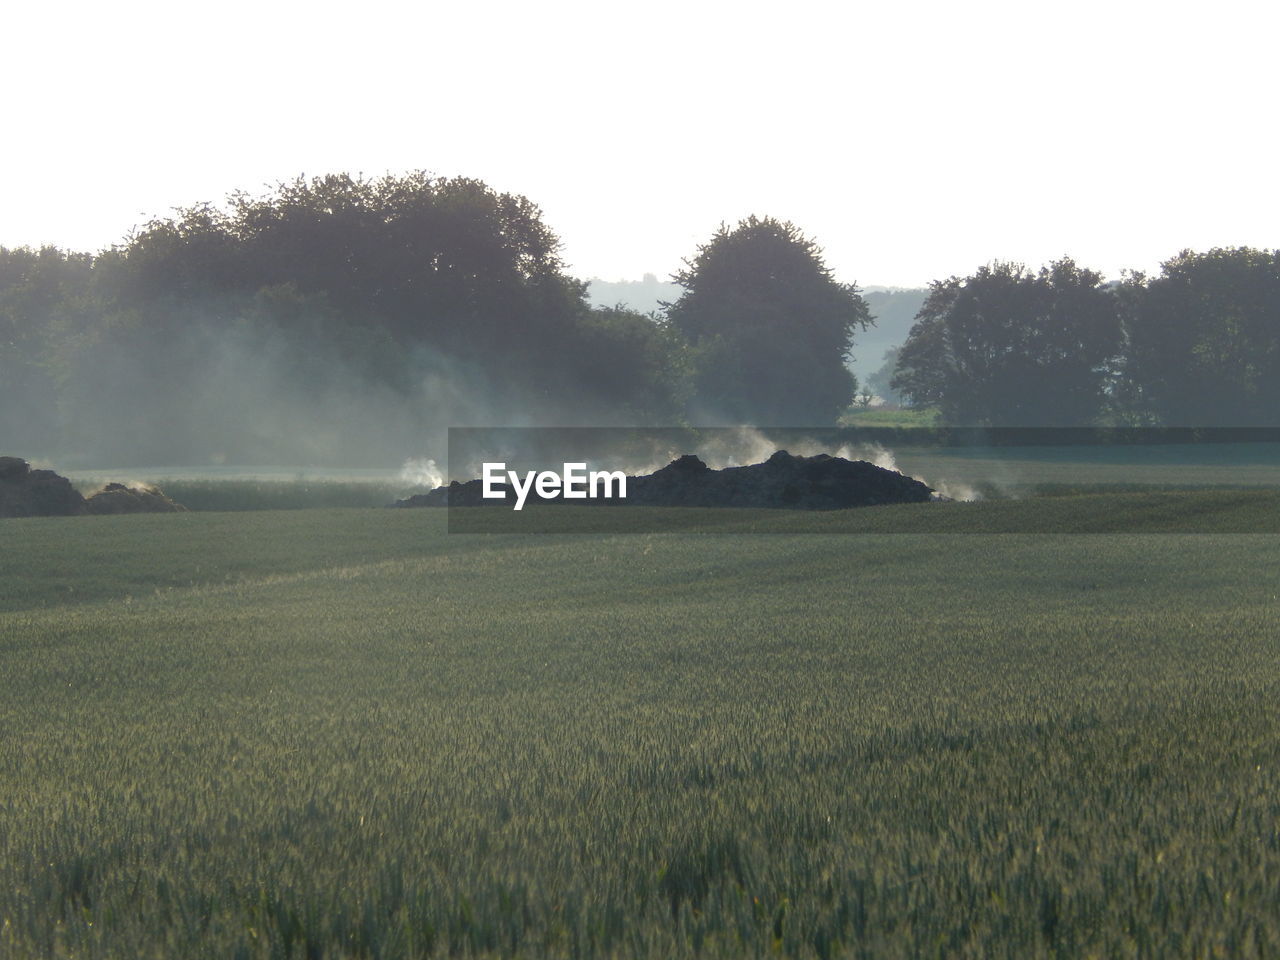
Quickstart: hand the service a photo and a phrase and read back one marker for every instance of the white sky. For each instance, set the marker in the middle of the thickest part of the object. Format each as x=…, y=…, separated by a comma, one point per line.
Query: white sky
x=913, y=140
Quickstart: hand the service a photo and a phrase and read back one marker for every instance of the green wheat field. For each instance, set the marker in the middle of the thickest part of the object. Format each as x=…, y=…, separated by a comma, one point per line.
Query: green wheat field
x=334, y=733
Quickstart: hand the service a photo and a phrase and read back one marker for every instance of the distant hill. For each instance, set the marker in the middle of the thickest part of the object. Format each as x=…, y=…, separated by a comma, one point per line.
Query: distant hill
x=895, y=311
x=645, y=295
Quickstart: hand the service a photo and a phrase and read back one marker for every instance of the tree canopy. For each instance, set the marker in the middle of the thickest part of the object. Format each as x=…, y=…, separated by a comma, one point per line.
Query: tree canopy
x=1012, y=348
x=769, y=326
x=330, y=318
x=1203, y=339
x=446, y=261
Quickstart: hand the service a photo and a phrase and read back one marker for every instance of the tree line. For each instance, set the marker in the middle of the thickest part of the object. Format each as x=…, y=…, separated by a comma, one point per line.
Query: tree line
x=340, y=312
x=258, y=329
x=1196, y=345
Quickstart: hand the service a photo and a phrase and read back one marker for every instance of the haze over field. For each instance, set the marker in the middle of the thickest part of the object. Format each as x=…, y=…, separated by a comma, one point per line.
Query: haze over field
x=914, y=141
x=378, y=225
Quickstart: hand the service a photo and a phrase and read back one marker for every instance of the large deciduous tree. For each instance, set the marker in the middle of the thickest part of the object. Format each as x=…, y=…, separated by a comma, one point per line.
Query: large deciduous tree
x=447, y=262
x=1203, y=339
x=339, y=317
x=446, y=265
x=1006, y=347
x=769, y=326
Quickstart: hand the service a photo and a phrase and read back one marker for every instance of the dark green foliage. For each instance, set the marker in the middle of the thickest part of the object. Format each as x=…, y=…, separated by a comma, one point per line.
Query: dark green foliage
x=424, y=255
x=1006, y=347
x=769, y=326
x=44, y=297
x=1203, y=340
x=633, y=368
x=446, y=263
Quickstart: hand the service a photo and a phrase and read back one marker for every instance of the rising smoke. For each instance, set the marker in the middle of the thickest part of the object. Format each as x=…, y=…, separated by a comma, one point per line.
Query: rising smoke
x=219, y=392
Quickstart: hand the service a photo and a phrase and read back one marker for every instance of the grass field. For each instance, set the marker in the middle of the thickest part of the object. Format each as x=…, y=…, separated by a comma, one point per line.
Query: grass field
x=857, y=416
x=216, y=493
x=345, y=733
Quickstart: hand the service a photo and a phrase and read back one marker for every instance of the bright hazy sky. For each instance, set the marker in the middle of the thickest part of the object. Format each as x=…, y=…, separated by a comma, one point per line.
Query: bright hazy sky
x=912, y=140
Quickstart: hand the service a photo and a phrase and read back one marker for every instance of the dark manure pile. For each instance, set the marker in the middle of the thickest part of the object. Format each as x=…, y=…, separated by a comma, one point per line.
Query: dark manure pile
x=820, y=482
x=43, y=493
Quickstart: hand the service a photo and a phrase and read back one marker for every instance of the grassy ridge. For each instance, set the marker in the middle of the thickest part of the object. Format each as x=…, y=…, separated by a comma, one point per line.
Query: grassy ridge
x=344, y=733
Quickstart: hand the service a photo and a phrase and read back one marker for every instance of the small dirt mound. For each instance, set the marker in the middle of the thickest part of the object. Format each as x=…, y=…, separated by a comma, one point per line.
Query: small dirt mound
x=117, y=498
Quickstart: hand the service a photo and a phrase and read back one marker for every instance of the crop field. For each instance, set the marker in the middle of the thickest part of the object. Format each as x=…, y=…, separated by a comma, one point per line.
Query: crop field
x=347, y=733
